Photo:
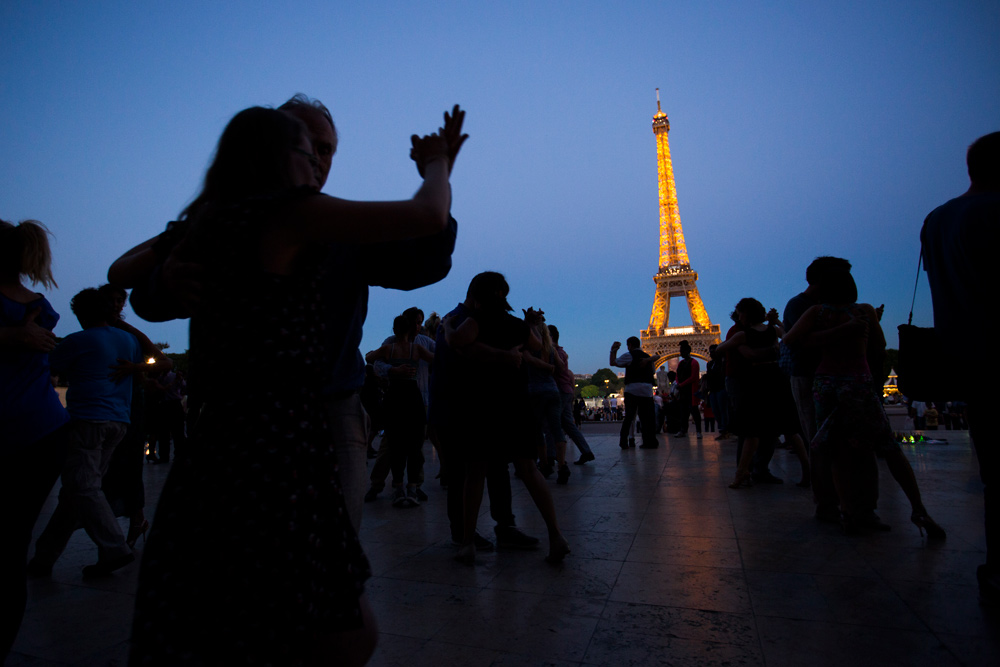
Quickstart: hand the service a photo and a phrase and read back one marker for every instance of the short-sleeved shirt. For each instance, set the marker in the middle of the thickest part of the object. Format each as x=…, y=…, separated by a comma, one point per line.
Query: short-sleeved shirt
x=84, y=359
x=642, y=389
x=804, y=360
x=29, y=406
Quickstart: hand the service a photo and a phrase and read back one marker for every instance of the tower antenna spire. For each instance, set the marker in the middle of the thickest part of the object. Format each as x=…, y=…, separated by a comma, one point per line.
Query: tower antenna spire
x=658, y=100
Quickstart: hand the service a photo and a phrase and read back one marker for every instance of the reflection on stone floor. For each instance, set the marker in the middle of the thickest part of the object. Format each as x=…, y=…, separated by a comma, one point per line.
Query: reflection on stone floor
x=668, y=567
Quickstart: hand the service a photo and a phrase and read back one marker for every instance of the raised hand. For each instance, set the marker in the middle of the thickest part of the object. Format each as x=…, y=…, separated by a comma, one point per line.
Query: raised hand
x=615, y=345
x=533, y=317
x=452, y=133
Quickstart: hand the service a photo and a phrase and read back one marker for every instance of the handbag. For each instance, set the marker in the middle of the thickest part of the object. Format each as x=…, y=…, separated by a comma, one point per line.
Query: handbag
x=923, y=372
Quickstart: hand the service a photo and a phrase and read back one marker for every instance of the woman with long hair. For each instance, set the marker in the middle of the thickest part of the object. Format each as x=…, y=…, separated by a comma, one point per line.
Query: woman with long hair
x=251, y=554
x=32, y=444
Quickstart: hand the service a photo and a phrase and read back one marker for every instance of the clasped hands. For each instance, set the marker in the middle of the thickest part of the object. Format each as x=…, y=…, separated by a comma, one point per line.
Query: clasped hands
x=445, y=143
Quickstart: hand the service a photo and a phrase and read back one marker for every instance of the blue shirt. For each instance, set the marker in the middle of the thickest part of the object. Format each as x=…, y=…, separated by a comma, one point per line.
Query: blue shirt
x=29, y=406
x=85, y=359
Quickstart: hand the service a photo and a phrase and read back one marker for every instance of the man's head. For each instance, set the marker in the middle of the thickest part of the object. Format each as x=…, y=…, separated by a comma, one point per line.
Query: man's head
x=983, y=160
x=415, y=315
x=633, y=343
x=92, y=308
x=685, y=349
x=322, y=131
x=489, y=291
x=823, y=268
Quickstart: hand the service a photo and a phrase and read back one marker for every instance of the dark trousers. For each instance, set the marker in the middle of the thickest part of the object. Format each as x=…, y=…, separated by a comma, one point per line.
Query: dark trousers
x=686, y=409
x=26, y=478
x=168, y=423
x=989, y=460
x=497, y=482
x=646, y=409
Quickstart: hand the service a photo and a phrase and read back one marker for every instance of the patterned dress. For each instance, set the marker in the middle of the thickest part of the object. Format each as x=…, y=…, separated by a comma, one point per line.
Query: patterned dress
x=251, y=557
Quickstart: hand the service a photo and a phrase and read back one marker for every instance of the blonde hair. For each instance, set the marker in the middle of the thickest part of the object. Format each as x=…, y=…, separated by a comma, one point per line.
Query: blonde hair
x=24, y=251
x=543, y=333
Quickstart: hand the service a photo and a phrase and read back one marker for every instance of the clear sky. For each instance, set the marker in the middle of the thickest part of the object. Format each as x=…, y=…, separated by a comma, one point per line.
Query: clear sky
x=797, y=129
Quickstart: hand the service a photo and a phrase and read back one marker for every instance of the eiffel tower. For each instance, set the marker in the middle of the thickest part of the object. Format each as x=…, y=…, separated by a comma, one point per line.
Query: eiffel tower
x=675, y=277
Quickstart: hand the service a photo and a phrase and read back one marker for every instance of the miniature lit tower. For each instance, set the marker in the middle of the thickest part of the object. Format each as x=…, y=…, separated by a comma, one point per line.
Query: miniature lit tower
x=675, y=277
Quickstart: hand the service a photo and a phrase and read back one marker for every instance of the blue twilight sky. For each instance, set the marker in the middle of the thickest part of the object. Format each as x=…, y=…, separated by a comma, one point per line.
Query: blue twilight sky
x=797, y=129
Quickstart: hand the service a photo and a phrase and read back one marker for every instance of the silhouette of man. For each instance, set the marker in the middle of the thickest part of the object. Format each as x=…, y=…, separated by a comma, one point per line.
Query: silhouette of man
x=638, y=392
x=957, y=252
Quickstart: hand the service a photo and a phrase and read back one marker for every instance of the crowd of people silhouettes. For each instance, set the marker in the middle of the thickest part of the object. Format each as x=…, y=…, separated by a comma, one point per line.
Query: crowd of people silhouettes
x=253, y=555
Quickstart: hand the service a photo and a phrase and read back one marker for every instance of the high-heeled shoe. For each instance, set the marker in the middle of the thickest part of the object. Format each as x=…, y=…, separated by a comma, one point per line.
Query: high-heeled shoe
x=135, y=531
x=922, y=521
x=740, y=479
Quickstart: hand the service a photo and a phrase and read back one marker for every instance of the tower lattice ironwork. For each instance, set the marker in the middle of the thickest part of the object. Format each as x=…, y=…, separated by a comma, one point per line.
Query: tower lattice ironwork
x=675, y=276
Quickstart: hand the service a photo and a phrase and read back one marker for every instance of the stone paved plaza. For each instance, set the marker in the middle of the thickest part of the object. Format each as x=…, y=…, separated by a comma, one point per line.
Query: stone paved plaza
x=668, y=566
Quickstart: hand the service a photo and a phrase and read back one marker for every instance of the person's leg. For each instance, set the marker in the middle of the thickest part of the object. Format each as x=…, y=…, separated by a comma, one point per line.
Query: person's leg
x=645, y=407
x=631, y=407
x=982, y=400
x=743, y=472
x=475, y=477
x=26, y=478
x=539, y=492
x=761, y=462
x=85, y=483
x=570, y=428
x=799, y=448
x=696, y=417
x=349, y=424
x=381, y=467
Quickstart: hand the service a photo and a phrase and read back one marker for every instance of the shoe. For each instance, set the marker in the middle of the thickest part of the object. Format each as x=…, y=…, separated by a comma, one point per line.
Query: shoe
x=563, y=476
x=584, y=458
x=466, y=554
x=767, y=478
x=413, y=500
x=36, y=568
x=482, y=544
x=558, y=550
x=870, y=521
x=421, y=496
x=399, y=498
x=740, y=479
x=934, y=531
x=135, y=531
x=105, y=567
x=546, y=469
x=371, y=495
x=510, y=537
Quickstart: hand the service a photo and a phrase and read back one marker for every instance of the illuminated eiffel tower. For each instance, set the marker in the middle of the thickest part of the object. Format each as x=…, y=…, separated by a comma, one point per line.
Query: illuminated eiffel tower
x=675, y=277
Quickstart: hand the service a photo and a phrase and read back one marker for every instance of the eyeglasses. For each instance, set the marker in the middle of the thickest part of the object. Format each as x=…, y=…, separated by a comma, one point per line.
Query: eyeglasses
x=307, y=155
